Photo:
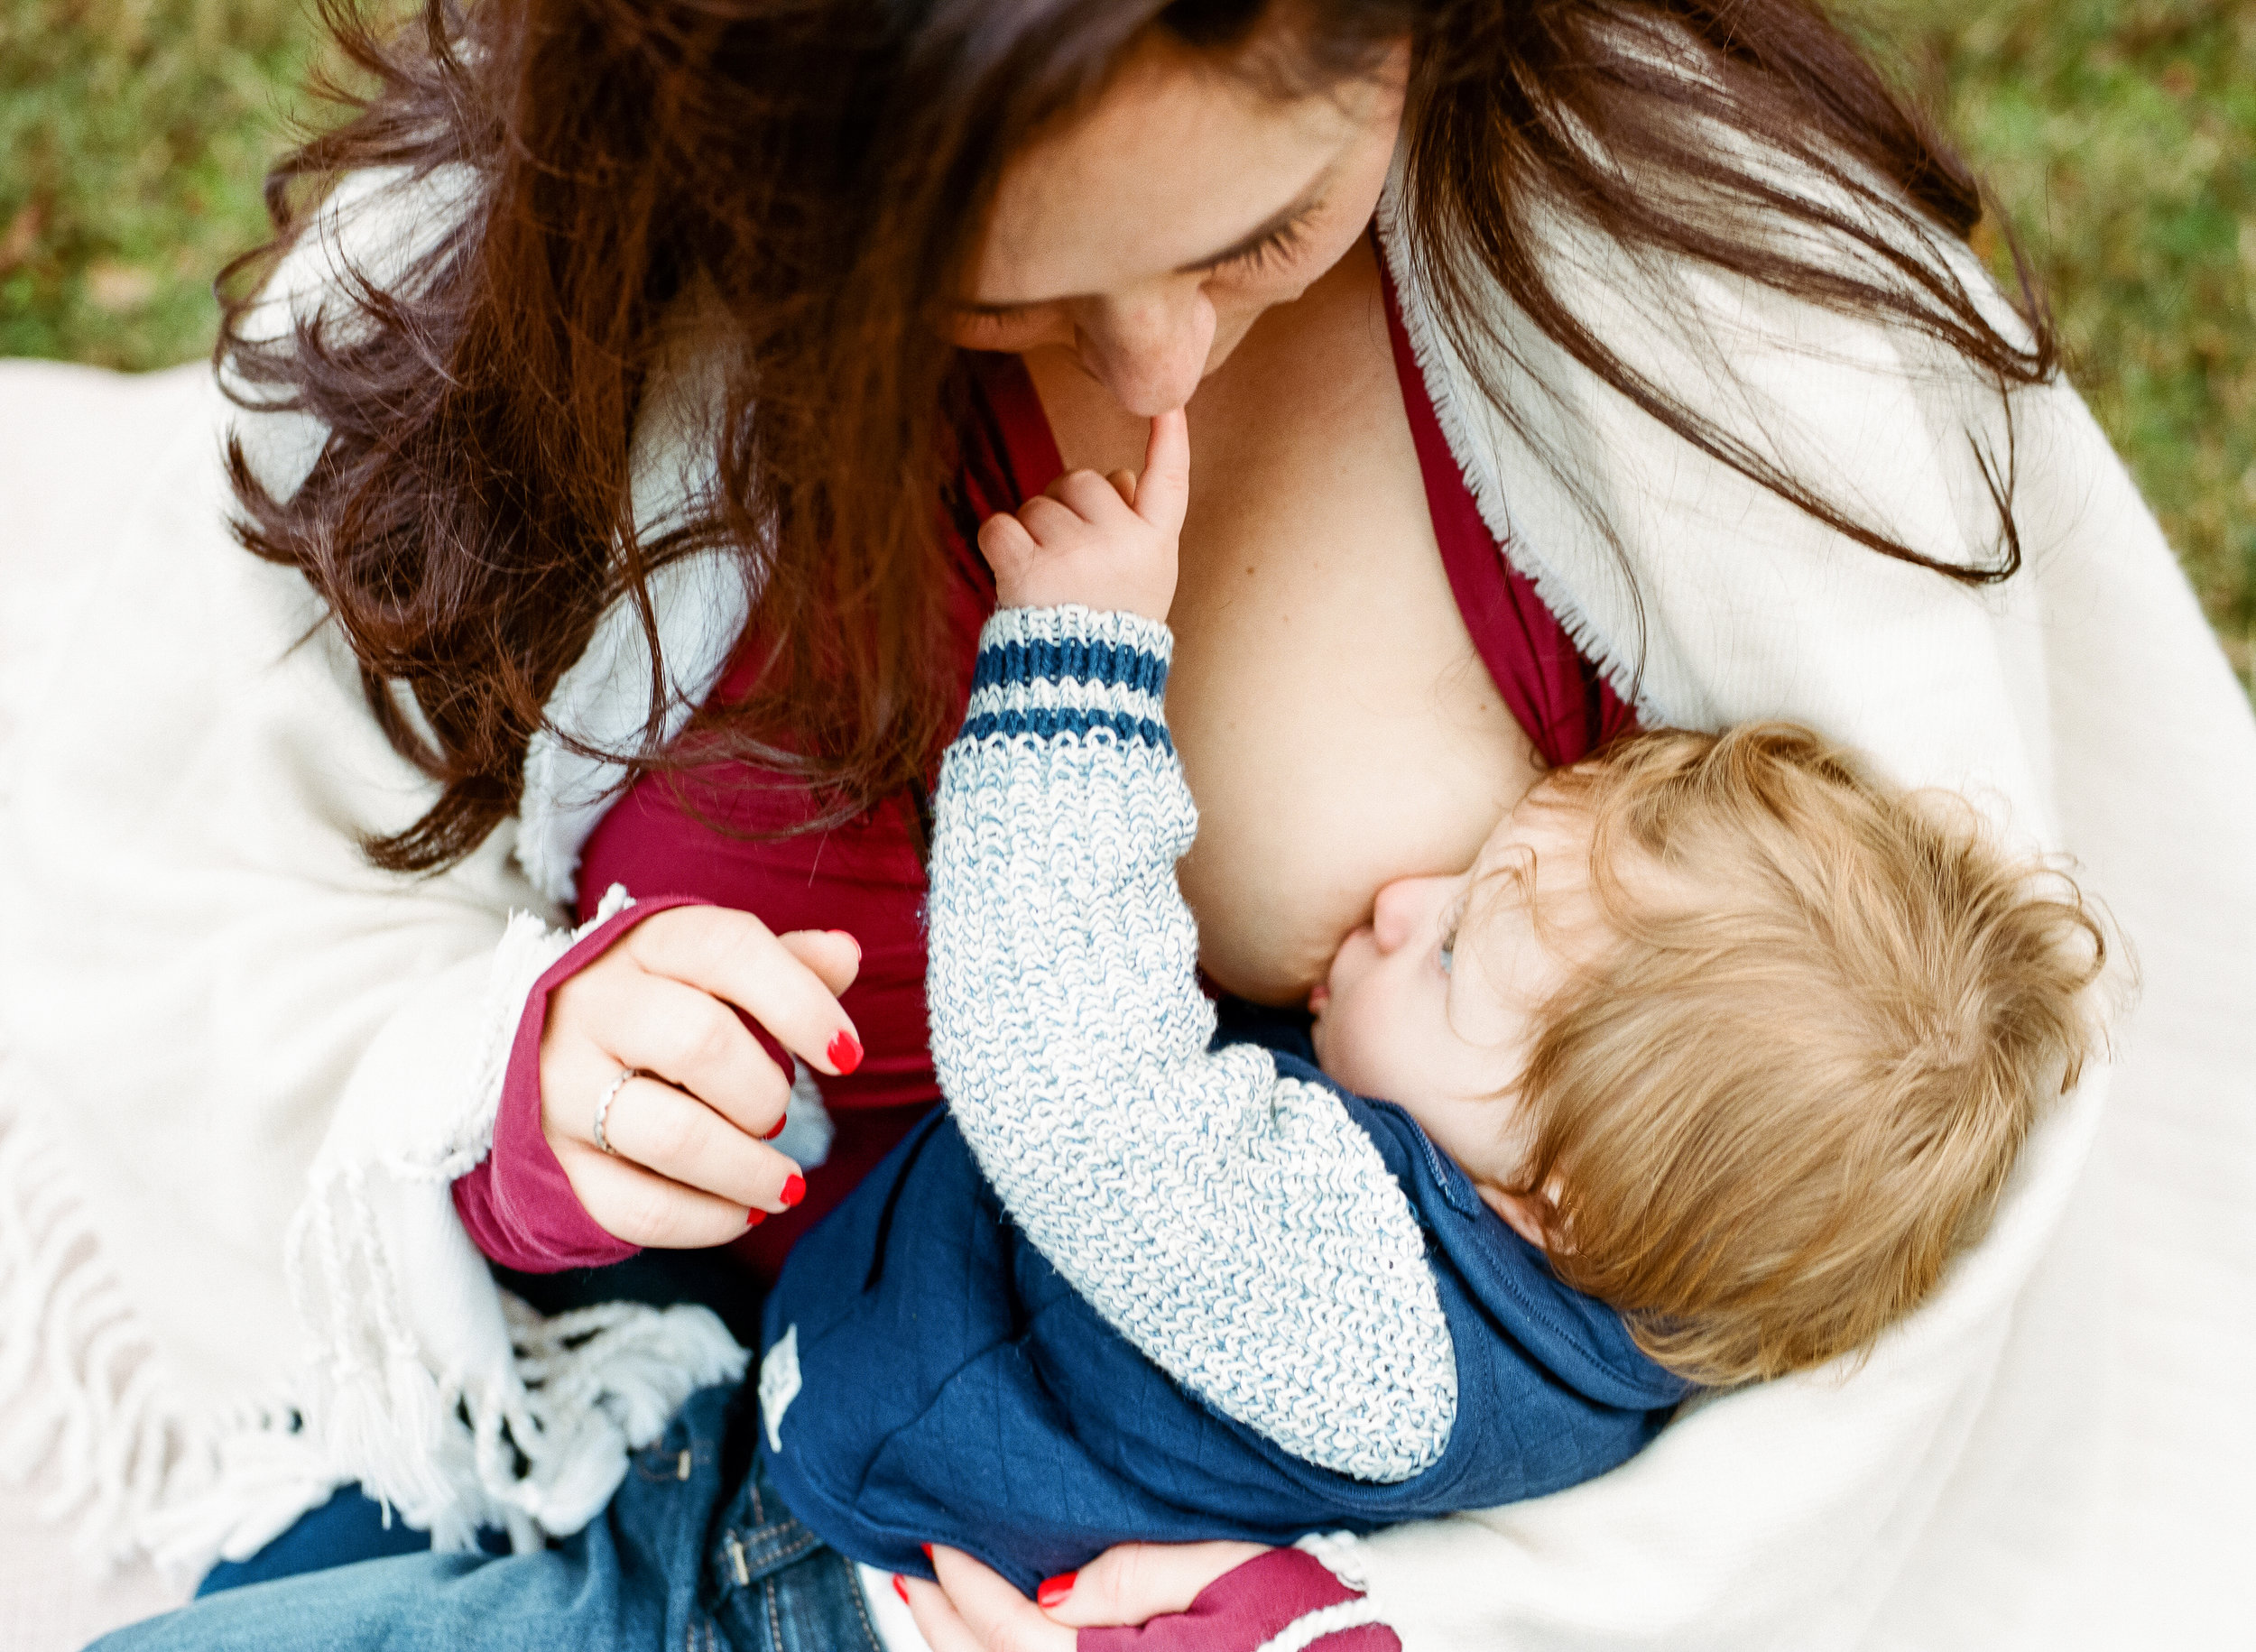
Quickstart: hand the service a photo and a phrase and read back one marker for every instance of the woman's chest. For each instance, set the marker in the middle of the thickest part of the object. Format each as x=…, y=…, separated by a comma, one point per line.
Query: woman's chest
x=1338, y=726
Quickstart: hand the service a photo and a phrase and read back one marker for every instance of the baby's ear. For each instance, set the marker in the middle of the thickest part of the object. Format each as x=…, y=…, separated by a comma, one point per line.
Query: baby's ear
x=1522, y=1214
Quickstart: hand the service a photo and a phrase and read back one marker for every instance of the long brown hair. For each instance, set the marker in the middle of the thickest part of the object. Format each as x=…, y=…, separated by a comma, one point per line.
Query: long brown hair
x=813, y=174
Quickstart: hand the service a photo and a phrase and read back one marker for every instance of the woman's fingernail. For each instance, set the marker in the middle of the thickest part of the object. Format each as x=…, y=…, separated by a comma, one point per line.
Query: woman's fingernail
x=753, y=1218
x=1054, y=1590
x=794, y=1190
x=928, y=1551
x=845, y=1053
x=778, y=1131
x=900, y=1589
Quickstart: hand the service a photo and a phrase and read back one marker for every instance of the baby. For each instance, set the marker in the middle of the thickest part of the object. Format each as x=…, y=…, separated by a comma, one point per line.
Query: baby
x=1697, y=1075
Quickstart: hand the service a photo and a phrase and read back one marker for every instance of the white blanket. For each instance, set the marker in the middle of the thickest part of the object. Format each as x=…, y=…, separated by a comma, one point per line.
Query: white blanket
x=213, y=1006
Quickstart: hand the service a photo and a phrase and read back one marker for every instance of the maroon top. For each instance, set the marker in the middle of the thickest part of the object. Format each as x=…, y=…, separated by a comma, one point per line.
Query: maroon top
x=867, y=877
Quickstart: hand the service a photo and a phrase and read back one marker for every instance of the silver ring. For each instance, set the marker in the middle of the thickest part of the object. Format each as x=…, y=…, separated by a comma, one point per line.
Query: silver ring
x=603, y=1104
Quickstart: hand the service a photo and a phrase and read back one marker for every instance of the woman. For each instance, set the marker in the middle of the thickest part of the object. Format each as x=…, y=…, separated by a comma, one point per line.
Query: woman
x=1688, y=309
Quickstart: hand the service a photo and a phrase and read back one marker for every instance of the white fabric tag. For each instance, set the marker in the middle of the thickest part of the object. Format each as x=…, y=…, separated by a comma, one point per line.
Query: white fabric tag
x=779, y=1384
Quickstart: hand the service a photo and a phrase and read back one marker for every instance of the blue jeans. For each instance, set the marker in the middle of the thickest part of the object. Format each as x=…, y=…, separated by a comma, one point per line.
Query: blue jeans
x=696, y=1552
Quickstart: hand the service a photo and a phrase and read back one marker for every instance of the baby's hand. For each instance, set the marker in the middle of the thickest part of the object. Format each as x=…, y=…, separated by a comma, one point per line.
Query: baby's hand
x=1103, y=542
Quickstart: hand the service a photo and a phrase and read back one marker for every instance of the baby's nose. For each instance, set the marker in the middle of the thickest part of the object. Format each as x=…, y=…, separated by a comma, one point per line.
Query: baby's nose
x=1394, y=914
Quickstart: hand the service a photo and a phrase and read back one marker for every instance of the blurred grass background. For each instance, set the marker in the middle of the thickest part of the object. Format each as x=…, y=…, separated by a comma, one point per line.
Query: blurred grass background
x=2119, y=135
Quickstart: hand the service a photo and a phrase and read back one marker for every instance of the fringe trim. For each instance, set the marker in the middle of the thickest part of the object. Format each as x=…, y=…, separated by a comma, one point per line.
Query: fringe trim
x=536, y=1448
x=1439, y=369
x=86, y=1396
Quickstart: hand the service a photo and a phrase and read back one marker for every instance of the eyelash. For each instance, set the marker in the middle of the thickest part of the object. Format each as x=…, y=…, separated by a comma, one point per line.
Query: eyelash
x=1279, y=243
x=1449, y=939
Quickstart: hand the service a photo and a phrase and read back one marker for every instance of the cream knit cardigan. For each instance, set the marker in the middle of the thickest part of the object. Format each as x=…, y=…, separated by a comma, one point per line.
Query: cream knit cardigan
x=242, y=1067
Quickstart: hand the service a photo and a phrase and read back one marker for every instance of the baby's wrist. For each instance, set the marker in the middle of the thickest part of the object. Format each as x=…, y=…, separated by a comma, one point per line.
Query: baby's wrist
x=1096, y=596
x=1053, y=605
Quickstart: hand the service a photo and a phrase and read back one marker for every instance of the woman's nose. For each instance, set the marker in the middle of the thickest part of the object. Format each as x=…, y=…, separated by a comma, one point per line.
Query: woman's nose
x=1150, y=350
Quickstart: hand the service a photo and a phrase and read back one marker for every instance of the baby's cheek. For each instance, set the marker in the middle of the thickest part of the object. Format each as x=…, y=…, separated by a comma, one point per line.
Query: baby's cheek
x=1356, y=1052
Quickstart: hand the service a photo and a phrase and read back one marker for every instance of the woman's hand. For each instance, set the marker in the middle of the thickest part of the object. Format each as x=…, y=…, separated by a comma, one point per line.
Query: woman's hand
x=688, y=1164
x=1107, y=542
x=973, y=1609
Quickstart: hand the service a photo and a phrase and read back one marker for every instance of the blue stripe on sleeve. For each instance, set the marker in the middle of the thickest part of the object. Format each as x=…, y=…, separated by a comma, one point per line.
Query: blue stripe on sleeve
x=1049, y=724
x=1075, y=660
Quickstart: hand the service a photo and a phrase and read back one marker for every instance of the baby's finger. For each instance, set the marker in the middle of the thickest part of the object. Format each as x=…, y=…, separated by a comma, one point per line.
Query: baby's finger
x=1006, y=544
x=1054, y=525
x=1163, y=490
x=1124, y=483
x=734, y=955
x=1093, y=498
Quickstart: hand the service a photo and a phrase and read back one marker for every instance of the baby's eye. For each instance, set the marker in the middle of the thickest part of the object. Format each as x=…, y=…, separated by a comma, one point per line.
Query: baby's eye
x=1448, y=952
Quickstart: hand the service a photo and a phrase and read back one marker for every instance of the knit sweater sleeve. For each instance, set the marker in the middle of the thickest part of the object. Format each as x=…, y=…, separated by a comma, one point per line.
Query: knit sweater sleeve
x=1236, y=1225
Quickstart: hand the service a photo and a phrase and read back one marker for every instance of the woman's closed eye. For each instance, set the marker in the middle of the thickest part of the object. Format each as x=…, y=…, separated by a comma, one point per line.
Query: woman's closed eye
x=1279, y=246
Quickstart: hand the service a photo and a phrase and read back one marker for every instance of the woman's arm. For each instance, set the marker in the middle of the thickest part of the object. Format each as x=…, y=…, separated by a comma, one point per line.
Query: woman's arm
x=1237, y=1226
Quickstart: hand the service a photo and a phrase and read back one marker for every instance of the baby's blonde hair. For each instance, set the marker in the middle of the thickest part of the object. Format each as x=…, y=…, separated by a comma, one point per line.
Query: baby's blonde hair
x=1791, y=1084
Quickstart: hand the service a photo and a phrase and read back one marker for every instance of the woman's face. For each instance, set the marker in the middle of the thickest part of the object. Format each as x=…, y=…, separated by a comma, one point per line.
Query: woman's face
x=1146, y=235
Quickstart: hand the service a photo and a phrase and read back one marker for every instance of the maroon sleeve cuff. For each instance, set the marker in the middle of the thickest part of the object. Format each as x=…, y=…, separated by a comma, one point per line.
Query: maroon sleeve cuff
x=1249, y=1607
x=517, y=1204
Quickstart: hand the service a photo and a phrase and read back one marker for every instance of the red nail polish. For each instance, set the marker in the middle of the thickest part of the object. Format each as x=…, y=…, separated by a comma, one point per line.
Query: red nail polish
x=753, y=1218
x=900, y=1589
x=794, y=1190
x=845, y=1052
x=778, y=1131
x=1054, y=1590
x=928, y=1551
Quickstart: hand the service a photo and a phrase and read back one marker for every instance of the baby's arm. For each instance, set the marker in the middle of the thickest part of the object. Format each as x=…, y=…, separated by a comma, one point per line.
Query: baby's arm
x=1237, y=1226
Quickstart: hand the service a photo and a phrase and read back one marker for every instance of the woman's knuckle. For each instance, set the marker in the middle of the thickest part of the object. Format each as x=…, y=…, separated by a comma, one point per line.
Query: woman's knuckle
x=709, y=1038
x=675, y=1135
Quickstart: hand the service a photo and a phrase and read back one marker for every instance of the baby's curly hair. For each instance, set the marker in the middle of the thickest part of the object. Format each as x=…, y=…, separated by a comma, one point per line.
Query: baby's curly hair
x=1790, y=1085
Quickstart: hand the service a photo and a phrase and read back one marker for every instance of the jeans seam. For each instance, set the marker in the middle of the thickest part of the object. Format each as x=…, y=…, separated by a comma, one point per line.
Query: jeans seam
x=768, y=1591
x=861, y=1608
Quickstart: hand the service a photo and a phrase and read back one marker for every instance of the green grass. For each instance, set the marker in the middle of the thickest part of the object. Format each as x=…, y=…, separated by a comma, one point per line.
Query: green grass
x=2120, y=136
x=134, y=134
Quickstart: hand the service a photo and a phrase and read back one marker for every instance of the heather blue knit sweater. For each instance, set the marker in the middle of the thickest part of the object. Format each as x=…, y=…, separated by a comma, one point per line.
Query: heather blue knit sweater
x=1139, y=1283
